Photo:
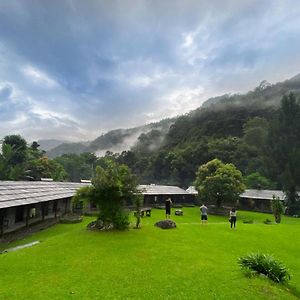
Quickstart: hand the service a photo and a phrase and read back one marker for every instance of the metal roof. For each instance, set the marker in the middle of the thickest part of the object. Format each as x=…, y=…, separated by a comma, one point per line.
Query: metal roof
x=252, y=194
x=263, y=194
x=153, y=189
x=15, y=193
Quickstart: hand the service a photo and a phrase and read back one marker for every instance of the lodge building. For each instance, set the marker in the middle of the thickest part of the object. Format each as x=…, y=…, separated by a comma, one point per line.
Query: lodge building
x=251, y=199
x=157, y=194
x=23, y=203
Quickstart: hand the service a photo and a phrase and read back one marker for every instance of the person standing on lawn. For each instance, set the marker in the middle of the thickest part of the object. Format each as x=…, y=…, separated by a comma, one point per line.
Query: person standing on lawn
x=168, y=203
x=203, y=210
x=232, y=217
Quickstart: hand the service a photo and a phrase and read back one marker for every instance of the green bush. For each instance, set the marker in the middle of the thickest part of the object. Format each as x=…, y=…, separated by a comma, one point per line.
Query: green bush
x=265, y=264
x=277, y=209
x=121, y=220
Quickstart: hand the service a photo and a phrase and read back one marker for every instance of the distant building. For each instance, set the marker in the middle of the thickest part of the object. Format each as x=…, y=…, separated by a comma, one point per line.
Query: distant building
x=257, y=200
x=157, y=194
x=23, y=203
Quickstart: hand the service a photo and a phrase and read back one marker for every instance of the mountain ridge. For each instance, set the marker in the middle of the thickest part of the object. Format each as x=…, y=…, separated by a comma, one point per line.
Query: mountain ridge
x=118, y=140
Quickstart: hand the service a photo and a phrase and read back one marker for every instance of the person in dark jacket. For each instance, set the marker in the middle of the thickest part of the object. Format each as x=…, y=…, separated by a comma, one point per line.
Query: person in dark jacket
x=232, y=217
x=168, y=203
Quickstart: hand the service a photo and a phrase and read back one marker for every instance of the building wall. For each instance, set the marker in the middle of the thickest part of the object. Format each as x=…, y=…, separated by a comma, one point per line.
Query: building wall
x=260, y=205
x=63, y=206
x=150, y=200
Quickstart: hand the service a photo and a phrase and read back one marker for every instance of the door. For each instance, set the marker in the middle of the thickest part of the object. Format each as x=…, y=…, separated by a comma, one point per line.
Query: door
x=19, y=217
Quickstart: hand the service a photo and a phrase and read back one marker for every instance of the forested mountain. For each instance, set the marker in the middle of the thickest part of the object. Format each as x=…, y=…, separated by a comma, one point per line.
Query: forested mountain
x=231, y=134
x=47, y=145
x=232, y=128
x=264, y=94
x=235, y=129
x=153, y=135
x=114, y=141
x=75, y=148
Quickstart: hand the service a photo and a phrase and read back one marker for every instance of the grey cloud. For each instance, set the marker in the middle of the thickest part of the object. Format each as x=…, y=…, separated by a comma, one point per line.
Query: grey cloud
x=101, y=65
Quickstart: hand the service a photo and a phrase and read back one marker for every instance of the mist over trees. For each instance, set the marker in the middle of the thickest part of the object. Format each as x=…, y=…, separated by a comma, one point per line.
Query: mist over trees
x=283, y=149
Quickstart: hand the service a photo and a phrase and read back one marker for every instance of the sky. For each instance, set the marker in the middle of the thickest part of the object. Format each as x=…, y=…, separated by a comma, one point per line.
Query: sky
x=72, y=69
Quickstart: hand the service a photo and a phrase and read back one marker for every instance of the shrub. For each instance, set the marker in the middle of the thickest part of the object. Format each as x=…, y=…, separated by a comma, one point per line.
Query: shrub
x=112, y=186
x=265, y=264
x=277, y=209
x=138, y=201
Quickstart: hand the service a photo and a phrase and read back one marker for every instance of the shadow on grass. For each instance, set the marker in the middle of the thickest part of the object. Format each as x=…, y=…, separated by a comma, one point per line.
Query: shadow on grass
x=292, y=290
x=285, y=285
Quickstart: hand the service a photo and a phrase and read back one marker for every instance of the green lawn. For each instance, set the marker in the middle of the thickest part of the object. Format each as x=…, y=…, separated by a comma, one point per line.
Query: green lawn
x=190, y=262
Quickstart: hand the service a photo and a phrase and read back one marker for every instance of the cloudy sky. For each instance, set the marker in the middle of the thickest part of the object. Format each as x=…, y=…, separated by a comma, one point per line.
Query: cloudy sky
x=75, y=69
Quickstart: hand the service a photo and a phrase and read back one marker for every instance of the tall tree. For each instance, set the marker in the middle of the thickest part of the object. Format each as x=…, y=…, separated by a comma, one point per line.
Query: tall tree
x=283, y=149
x=218, y=182
x=19, y=146
x=112, y=187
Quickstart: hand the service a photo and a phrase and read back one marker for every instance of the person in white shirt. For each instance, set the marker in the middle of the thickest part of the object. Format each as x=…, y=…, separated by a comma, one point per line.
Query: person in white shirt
x=232, y=215
x=203, y=210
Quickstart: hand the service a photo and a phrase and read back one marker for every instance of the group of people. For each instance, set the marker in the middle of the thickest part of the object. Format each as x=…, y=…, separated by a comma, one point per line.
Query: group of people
x=232, y=215
x=203, y=212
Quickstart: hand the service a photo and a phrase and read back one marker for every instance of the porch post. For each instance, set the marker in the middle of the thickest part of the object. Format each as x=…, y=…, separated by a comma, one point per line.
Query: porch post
x=55, y=208
x=43, y=211
x=27, y=215
x=66, y=205
x=1, y=221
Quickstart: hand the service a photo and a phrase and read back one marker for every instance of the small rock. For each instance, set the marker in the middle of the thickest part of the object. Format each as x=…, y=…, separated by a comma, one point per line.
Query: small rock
x=178, y=212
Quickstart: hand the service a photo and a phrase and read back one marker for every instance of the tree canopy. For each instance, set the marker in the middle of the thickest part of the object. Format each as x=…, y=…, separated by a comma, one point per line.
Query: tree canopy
x=20, y=162
x=283, y=151
x=113, y=185
x=218, y=182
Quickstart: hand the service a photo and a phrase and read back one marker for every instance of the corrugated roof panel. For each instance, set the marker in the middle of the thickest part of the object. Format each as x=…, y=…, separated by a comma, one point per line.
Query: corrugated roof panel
x=15, y=193
x=263, y=194
x=161, y=190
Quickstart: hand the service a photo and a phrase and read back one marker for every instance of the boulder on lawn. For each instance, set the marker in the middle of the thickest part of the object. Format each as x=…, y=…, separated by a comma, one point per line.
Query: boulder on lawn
x=165, y=224
x=178, y=212
x=100, y=225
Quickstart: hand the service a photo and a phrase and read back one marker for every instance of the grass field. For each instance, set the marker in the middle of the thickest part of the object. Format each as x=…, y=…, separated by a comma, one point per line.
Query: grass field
x=189, y=262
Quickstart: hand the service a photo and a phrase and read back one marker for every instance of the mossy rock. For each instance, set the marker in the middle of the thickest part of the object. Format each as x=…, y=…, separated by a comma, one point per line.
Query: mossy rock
x=165, y=224
x=100, y=225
